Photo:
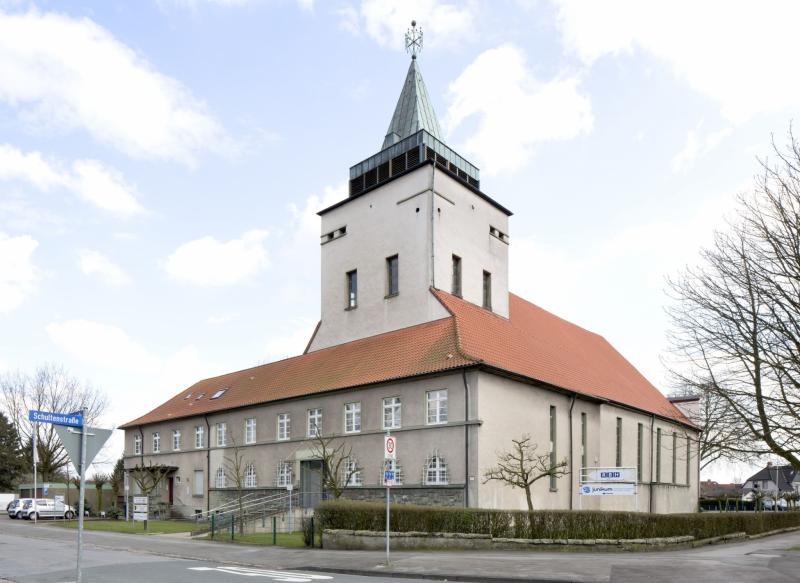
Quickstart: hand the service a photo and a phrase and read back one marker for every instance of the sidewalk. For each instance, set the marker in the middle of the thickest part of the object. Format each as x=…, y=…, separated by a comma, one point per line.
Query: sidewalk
x=766, y=559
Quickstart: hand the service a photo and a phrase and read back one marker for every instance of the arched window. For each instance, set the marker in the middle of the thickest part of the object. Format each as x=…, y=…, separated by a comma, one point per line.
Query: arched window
x=219, y=479
x=435, y=472
x=250, y=479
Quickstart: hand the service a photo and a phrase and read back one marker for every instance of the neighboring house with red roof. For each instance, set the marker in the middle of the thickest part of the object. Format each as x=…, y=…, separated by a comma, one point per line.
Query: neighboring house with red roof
x=454, y=375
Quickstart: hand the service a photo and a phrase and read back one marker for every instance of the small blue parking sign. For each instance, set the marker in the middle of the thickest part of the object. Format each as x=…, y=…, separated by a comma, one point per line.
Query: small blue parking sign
x=388, y=475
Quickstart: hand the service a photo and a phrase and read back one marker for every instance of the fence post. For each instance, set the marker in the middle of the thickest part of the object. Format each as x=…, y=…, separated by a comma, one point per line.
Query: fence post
x=233, y=526
x=274, y=531
x=212, y=527
x=313, y=533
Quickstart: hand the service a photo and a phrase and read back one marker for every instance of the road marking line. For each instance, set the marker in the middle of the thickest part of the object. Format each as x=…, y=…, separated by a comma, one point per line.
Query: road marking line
x=284, y=576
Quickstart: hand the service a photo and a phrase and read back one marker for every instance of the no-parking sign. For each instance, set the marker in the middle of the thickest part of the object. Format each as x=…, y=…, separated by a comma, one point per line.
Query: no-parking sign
x=389, y=447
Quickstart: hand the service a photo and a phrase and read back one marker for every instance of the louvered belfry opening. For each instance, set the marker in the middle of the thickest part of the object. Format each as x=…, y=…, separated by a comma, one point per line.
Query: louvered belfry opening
x=407, y=154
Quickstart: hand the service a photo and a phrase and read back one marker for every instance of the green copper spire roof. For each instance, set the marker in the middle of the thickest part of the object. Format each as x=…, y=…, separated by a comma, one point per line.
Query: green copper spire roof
x=414, y=111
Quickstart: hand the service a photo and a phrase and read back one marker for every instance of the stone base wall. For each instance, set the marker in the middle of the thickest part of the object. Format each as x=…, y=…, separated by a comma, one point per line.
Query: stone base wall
x=424, y=496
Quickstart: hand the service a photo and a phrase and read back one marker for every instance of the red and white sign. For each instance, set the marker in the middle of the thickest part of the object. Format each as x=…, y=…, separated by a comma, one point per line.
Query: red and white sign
x=389, y=447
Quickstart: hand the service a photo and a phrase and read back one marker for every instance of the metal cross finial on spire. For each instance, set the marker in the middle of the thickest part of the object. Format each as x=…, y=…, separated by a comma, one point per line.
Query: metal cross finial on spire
x=414, y=39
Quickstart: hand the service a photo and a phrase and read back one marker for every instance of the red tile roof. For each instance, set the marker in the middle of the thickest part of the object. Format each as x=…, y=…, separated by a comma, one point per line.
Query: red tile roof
x=532, y=343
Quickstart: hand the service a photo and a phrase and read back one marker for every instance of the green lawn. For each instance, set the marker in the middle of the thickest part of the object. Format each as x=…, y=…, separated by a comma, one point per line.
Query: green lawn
x=284, y=539
x=153, y=526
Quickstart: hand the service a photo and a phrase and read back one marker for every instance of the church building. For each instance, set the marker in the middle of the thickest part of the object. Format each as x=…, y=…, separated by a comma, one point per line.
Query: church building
x=420, y=336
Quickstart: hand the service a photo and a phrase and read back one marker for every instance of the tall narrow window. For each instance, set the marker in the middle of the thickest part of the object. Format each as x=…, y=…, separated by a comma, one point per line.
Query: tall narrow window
x=176, y=439
x=199, y=483
x=250, y=430
x=250, y=478
x=437, y=407
x=618, y=459
x=219, y=478
x=583, y=440
x=639, y=451
x=284, y=426
x=658, y=454
x=352, y=417
x=137, y=444
x=392, y=413
x=674, y=457
x=156, y=442
x=553, y=454
x=435, y=470
x=392, y=276
x=456, y=275
x=222, y=434
x=688, y=457
x=199, y=436
x=284, y=475
x=352, y=289
x=314, y=422
x=487, y=290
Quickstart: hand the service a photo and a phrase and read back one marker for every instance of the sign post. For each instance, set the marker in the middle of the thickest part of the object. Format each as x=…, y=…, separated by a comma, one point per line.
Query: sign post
x=389, y=453
x=126, y=489
x=81, y=499
x=35, y=462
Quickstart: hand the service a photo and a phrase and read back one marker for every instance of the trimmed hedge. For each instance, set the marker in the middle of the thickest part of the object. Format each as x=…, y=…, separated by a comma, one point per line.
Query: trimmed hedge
x=548, y=524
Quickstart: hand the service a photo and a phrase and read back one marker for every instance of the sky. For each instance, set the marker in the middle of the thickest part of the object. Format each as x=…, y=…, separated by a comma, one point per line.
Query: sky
x=162, y=162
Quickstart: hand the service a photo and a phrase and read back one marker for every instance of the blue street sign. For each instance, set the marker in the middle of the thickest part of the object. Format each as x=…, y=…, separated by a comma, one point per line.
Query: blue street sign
x=388, y=475
x=68, y=419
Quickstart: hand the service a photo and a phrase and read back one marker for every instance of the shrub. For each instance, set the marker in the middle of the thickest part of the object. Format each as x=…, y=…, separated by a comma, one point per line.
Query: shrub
x=553, y=524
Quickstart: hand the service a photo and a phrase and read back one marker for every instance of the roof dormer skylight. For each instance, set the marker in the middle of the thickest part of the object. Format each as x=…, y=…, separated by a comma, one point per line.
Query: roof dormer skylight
x=219, y=393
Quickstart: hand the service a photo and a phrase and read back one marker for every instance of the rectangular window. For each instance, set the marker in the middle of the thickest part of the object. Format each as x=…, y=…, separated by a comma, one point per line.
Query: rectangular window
x=351, y=475
x=688, y=457
x=674, y=457
x=250, y=430
x=618, y=459
x=352, y=417
x=176, y=439
x=583, y=440
x=137, y=444
x=392, y=276
x=553, y=453
x=199, y=483
x=487, y=290
x=658, y=454
x=314, y=422
x=219, y=478
x=435, y=471
x=199, y=436
x=156, y=442
x=352, y=289
x=250, y=477
x=284, y=476
x=284, y=426
x=222, y=434
x=456, y=275
x=639, y=451
x=437, y=407
x=392, y=413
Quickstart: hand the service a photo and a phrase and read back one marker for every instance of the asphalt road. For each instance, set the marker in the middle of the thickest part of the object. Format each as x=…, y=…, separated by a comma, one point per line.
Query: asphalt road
x=47, y=553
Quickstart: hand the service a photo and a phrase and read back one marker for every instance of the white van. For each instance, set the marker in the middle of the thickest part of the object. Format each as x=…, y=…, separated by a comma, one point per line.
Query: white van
x=6, y=499
x=46, y=508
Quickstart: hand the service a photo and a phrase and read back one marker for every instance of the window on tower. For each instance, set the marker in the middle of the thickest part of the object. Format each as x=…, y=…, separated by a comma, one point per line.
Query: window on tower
x=352, y=289
x=456, y=275
x=487, y=290
x=392, y=276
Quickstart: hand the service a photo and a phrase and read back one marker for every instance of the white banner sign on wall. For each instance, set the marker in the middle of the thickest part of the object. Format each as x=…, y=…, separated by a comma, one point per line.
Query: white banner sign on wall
x=616, y=475
x=608, y=490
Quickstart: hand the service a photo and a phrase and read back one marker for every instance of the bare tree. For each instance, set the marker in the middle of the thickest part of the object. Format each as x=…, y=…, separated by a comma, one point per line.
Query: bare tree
x=49, y=388
x=339, y=467
x=736, y=318
x=100, y=480
x=117, y=479
x=236, y=467
x=149, y=477
x=521, y=467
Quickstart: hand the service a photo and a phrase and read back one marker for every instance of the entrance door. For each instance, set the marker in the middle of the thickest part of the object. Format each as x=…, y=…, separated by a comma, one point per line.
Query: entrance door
x=170, y=487
x=311, y=482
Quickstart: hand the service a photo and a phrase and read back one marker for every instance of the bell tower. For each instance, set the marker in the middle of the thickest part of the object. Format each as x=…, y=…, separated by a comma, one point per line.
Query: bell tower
x=415, y=218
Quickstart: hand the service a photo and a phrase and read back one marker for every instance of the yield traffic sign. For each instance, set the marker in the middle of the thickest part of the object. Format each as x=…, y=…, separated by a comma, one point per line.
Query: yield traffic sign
x=71, y=440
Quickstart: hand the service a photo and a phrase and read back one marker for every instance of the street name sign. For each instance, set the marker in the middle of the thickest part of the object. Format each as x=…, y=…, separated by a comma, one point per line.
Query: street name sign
x=67, y=419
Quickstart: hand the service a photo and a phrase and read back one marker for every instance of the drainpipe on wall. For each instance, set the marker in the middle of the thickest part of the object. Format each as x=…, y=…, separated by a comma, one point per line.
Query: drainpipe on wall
x=208, y=464
x=141, y=434
x=652, y=423
x=466, y=438
x=571, y=455
x=433, y=206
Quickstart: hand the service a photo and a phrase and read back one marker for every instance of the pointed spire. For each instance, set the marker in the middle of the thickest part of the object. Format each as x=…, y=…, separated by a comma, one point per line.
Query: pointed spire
x=414, y=111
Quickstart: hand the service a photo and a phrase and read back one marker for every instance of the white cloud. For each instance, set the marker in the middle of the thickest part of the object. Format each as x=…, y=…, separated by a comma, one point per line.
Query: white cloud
x=220, y=319
x=95, y=263
x=307, y=218
x=92, y=181
x=208, y=261
x=291, y=342
x=72, y=73
x=385, y=21
x=738, y=54
x=103, y=345
x=18, y=274
x=516, y=111
x=698, y=143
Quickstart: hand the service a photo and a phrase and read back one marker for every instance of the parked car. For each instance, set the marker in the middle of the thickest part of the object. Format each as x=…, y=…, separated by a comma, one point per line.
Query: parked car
x=15, y=508
x=46, y=508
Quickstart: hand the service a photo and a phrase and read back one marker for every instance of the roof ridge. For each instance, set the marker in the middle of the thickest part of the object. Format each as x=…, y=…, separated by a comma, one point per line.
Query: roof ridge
x=461, y=350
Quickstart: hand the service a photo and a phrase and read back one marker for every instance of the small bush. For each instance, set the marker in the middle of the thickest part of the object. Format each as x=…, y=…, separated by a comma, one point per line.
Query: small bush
x=552, y=524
